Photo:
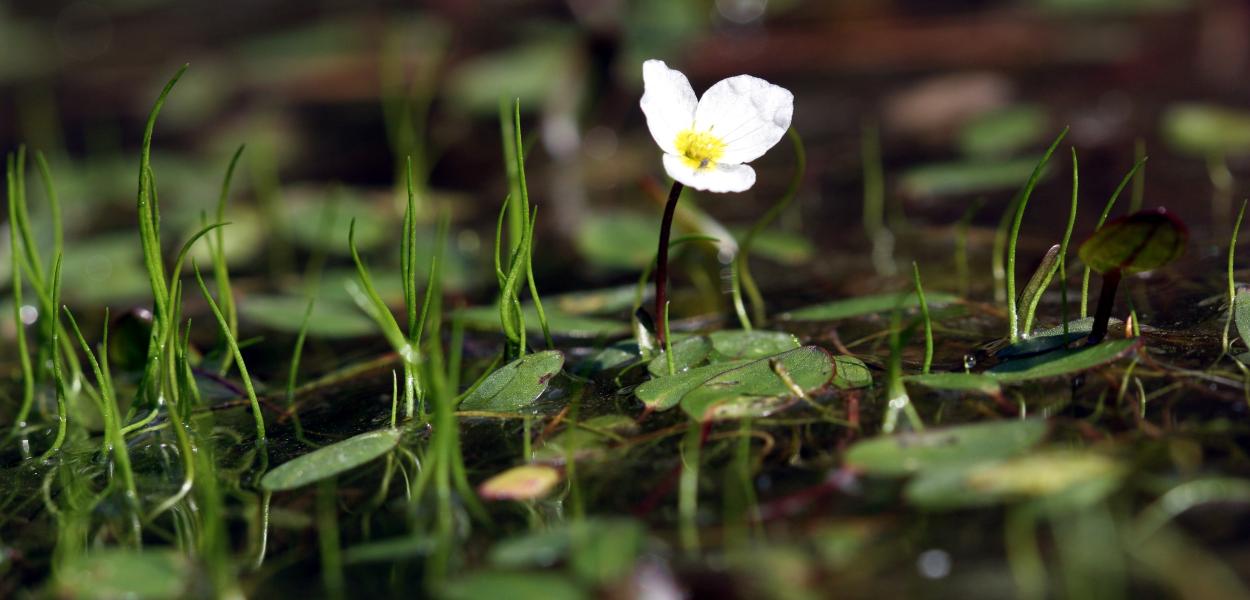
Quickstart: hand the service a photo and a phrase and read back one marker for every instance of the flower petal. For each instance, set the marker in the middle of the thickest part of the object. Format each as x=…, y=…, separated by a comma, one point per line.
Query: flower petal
x=719, y=178
x=668, y=101
x=749, y=114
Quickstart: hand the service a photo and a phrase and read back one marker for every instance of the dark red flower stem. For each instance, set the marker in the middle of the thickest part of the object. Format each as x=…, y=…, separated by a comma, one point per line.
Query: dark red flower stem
x=661, y=262
x=1106, y=301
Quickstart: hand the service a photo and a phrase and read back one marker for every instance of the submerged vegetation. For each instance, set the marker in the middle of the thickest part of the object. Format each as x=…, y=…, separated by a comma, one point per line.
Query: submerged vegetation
x=578, y=445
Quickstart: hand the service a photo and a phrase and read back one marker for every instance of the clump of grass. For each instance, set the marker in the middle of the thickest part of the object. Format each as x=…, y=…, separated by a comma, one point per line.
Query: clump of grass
x=1054, y=262
x=1019, y=205
x=521, y=220
x=233, y=345
x=114, y=442
x=221, y=271
x=897, y=400
x=406, y=344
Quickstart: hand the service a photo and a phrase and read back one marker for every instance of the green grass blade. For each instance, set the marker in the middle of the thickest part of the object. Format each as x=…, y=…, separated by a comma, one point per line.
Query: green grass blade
x=221, y=270
x=371, y=302
x=408, y=252
x=233, y=345
x=176, y=272
x=23, y=352
x=147, y=206
x=1232, y=287
x=924, y=315
x=1013, y=237
x=54, y=206
x=292, y=377
x=529, y=276
x=58, y=375
x=114, y=442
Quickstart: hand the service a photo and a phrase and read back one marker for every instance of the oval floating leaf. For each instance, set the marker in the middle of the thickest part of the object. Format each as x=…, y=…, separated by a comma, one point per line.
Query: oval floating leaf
x=714, y=407
x=329, y=319
x=524, y=482
x=957, y=382
x=1054, y=479
x=1004, y=131
x=736, y=344
x=866, y=305
x=1062, y=362
x=688, y=353
x=665, y=392
x=331, y=460
x=967, y=177
x=516, y=384
x=851, y=373
x=1142, y=241
x=908, y=453
x=758, y=388
x=1204, y=130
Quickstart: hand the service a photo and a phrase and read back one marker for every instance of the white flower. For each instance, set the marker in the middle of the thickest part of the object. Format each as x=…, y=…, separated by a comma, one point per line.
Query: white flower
x=706, y=141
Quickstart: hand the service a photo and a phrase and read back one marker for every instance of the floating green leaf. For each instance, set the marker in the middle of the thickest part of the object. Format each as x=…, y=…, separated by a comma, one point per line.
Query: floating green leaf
x=907, y=453
x=1203, y=130
x=1004, y=131
x=850, y=373
x=778, y=246
x=961, y=178
x=516, y=384
x=104, y=269
x=665, y=392
x=866, y=305
x=623, y=240
x=329, y=319
x=1062, y=362
x=1048, y=340
x=757, y=388
x=331, y=460
x=736, y=344
x=1142, y=241
x=1053, y=479
x=117, y=573
x=594, y=302
x=688, y=353
x=957, y=382
x=530, y=72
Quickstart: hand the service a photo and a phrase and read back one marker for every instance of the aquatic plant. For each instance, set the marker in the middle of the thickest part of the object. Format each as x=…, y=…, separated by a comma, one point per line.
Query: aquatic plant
x=707, y=141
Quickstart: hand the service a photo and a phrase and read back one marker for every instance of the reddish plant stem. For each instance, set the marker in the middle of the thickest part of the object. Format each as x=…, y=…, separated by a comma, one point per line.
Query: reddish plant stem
x=661, y=262
x=1106, y=301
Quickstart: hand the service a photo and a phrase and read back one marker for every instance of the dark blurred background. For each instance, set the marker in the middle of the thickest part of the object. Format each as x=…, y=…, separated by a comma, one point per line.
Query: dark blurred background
x=330, y=95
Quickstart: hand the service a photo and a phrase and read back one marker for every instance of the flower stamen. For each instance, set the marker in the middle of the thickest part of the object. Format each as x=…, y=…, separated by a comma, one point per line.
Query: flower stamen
x=699, y=149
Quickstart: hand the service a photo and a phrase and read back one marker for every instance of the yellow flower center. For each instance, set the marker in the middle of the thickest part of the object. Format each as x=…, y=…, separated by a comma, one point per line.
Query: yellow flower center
x=699, y=149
